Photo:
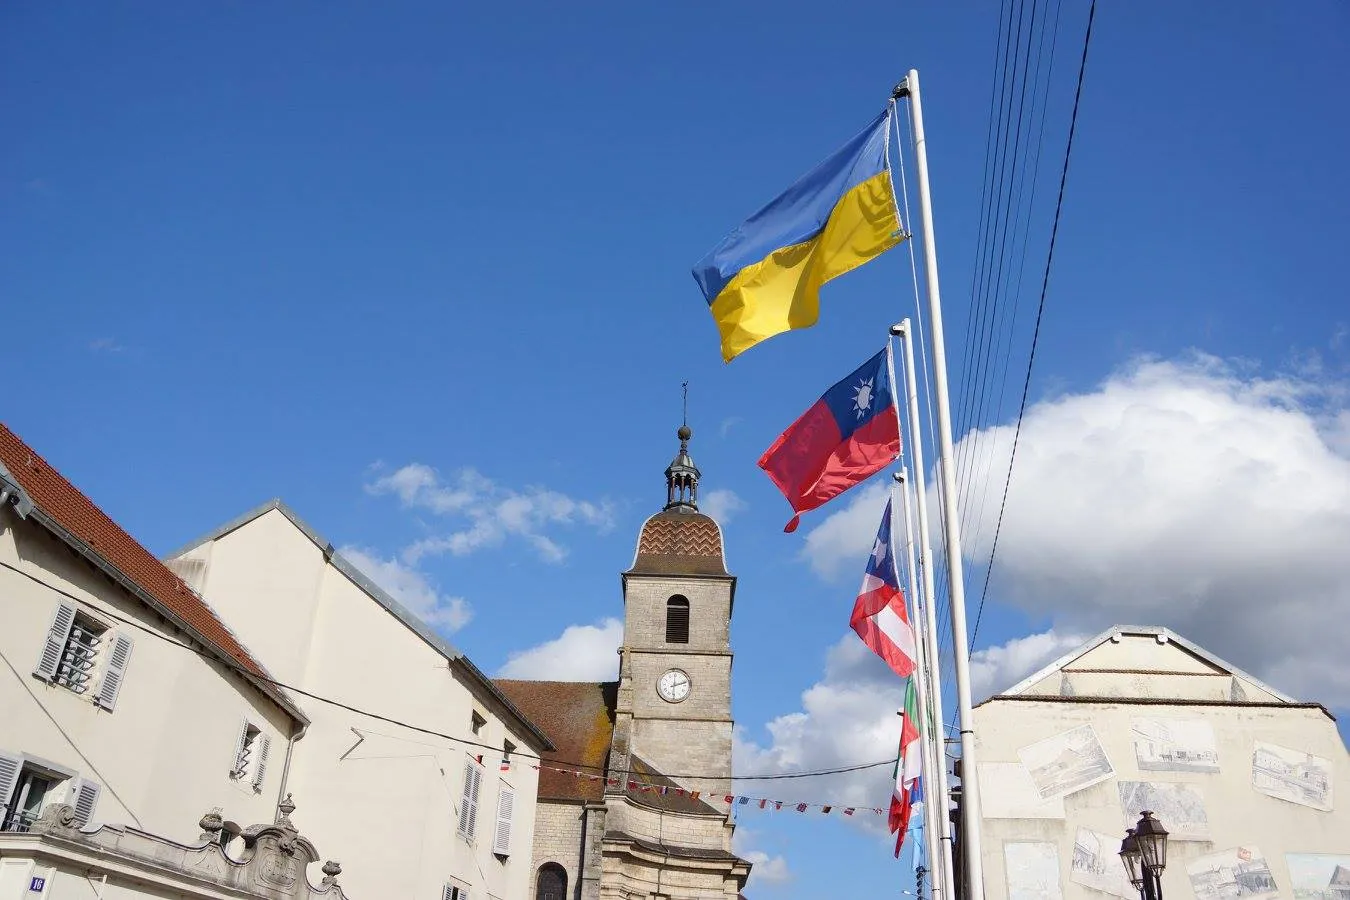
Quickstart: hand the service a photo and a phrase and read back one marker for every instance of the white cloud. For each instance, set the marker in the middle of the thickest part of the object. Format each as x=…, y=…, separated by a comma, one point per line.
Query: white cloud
x=722, y=504
x=846, y=537
x=487, y=512
x=847, y=718
x=1192, y=493
x=411, y=588
x=767, y=869
x=850, y=717
x=106, y=345
x=580, y=653
x=995, y=669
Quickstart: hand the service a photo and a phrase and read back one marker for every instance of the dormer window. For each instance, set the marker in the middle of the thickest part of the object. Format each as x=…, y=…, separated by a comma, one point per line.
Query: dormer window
x=677, y=620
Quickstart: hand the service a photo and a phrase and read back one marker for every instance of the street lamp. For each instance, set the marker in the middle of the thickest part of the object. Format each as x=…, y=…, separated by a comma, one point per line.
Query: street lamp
x=1144, y=853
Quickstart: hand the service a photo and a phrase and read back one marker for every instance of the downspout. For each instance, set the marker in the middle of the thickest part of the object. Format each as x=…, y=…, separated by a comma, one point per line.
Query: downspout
x=286, y=766
x=581, y=862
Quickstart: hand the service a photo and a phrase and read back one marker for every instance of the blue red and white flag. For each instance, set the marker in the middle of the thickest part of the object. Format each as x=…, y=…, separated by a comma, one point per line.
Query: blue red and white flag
x=847, y=436
x=879, y=615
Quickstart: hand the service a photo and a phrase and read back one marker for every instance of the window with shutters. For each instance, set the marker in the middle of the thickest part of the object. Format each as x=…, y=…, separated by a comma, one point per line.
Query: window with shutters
x=677, y=620
x=468, y=805
x=27, y=787
x=551, y=883
x=82, y=655
x=251, y=751
x=454, y=892
x=501, y=837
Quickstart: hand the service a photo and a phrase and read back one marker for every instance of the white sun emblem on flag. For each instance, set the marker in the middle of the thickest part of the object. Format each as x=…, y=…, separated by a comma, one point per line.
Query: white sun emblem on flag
x=862, y=397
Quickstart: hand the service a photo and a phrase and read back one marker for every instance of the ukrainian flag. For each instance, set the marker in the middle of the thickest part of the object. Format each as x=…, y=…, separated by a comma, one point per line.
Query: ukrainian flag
x=764, y=278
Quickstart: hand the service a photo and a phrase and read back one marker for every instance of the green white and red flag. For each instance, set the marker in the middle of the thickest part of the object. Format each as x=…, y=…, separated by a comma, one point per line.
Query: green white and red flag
x=908, y=767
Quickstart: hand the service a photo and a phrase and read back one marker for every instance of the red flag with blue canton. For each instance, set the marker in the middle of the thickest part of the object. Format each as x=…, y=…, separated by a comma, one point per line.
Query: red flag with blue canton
x=846, y=437
x=879, y=615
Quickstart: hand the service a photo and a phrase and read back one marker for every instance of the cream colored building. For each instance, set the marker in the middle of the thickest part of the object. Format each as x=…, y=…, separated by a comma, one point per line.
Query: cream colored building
x=411, y=814
x=1253, y=785
x=126, y=705
x=630, y=806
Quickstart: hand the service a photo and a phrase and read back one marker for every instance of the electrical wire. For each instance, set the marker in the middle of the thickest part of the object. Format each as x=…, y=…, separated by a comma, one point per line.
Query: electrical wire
x=1040, y=312
x=239, y=669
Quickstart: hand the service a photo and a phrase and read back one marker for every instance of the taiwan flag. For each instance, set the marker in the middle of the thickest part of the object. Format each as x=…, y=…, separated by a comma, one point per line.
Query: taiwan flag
x=849, y=435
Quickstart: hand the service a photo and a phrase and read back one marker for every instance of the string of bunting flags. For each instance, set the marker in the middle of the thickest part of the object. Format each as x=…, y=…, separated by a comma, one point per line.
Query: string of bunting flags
x=730, y=800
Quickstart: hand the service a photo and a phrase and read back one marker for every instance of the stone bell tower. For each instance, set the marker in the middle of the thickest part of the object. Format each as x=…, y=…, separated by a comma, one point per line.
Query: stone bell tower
x=674, y=701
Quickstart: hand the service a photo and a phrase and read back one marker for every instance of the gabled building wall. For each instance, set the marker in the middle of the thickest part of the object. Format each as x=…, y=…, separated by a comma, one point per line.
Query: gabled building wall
x=1130, y=689
x=162, y=756
x=384, y=799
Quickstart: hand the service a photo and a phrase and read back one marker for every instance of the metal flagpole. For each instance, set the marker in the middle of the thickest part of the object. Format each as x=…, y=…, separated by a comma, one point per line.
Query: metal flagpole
x=930, y=732
x=970, y=803
x=943, y=863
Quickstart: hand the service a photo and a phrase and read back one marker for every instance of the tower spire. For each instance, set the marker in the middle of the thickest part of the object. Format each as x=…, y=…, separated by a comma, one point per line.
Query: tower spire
x=682, y=475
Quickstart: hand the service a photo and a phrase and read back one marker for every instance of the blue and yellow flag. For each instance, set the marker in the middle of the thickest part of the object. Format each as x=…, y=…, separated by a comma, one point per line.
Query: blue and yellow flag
x=764, y=278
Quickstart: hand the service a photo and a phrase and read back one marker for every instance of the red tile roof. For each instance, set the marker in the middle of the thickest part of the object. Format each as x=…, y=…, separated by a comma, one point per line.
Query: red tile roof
x=72, y=511
x=675, y=542
x=578, y=717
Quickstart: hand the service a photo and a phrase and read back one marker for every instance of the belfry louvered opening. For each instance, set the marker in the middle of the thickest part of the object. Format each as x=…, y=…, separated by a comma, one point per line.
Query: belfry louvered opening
x=677, y=620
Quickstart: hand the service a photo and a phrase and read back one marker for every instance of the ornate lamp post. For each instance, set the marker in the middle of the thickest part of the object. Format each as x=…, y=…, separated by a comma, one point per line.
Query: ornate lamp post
x=1144, y=853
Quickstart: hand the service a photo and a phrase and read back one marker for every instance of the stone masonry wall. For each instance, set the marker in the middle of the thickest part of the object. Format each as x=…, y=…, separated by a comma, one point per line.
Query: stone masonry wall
x=557, y=839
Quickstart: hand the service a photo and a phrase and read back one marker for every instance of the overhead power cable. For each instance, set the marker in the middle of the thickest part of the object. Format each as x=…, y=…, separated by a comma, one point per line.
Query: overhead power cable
x=1040, y=312
x=234, y=665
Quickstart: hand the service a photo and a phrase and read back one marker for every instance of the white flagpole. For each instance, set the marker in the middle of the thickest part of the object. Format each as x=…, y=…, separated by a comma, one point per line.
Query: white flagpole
x=930, y=731
x=970, y=837
x=942, y=864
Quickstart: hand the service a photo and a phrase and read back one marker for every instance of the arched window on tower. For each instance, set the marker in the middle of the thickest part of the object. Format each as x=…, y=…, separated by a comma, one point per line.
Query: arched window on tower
x=677, y=620
x=552, y=882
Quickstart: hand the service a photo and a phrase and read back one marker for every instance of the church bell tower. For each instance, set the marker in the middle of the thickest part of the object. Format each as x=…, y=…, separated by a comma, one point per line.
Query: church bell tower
x=674, y=702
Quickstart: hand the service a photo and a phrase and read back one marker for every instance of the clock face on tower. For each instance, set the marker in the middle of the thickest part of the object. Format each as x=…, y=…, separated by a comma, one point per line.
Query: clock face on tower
x=673, y=686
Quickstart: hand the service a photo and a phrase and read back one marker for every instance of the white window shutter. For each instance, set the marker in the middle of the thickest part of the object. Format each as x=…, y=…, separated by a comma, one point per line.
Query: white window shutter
x=62, y=622
x=235, y=770
x=86, y=798
x=463, y=894
x=448, y=892
x=501, y=841
x=468, y=808
x=114, y=672
x=260, y=770
x=473, y=817
x=9, y=776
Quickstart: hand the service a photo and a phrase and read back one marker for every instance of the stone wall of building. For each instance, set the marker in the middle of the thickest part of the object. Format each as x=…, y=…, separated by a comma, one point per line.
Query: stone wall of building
x=558, y=835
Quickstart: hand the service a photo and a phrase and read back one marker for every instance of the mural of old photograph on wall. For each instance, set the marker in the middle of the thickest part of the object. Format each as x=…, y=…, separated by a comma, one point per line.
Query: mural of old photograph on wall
x=1006, y=792
x=1319, y=876
x=1181, y=806
x=1066, y=762
x=1174, y=745
x=1292, y=775
x=1032, y=869
x=1096, y=864
x=1237, y=874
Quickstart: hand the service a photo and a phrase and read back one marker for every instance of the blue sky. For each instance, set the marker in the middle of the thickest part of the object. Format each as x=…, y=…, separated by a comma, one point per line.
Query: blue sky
x=296, y=252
